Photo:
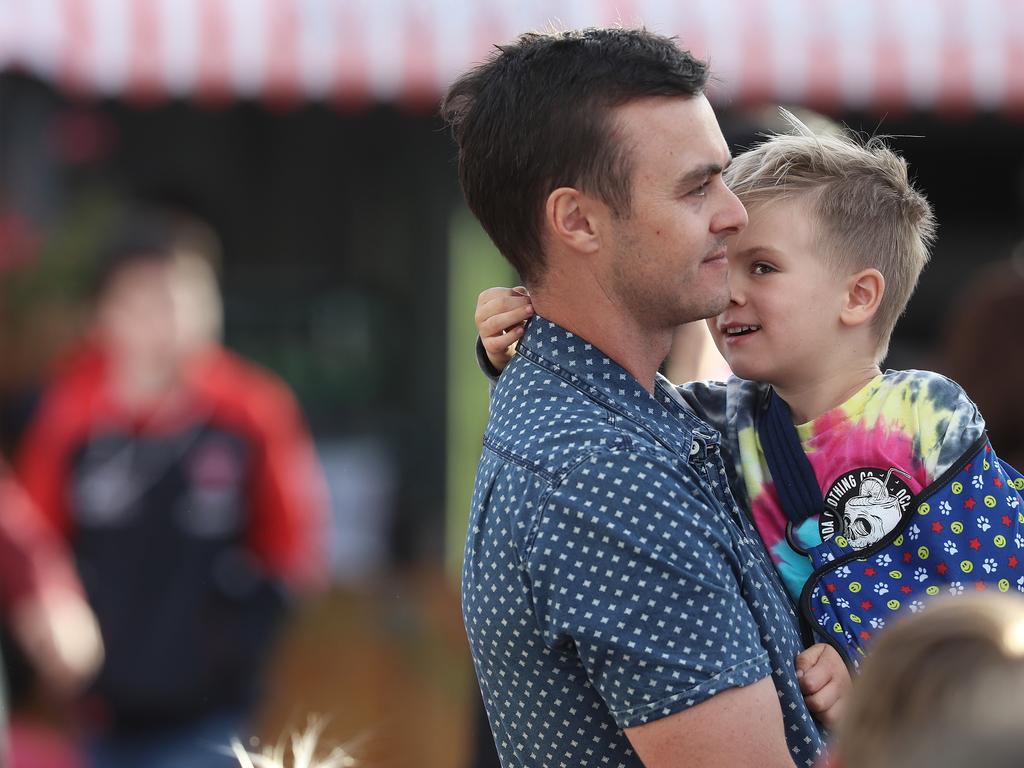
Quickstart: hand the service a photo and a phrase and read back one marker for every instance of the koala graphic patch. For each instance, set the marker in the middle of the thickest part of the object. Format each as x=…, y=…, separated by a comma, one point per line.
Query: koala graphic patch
x=864, y=504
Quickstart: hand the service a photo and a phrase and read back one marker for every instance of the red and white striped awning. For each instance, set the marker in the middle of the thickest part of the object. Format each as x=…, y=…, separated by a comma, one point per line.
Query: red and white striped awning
x=874, y=54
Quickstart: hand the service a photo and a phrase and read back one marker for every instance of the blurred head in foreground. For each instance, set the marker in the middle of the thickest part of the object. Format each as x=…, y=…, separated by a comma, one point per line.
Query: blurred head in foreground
x=942, y=688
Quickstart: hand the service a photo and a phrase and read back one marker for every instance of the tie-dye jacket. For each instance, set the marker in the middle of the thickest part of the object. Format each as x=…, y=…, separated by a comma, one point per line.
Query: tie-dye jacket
x=916, y=502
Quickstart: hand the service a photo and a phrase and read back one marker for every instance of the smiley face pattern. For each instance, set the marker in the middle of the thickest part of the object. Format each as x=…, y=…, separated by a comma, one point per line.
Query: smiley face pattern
x=964, y=533
x=609, y=578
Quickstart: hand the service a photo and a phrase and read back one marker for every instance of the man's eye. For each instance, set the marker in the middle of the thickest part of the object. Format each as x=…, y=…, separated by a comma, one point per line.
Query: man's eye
x=760, y=268
x=702, y=190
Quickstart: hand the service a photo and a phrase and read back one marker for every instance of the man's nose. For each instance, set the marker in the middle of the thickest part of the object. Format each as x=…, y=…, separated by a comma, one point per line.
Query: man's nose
x=731, y=217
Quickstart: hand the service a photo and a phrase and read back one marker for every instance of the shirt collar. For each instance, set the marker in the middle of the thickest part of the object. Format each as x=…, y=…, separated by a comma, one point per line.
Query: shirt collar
x=592, y=371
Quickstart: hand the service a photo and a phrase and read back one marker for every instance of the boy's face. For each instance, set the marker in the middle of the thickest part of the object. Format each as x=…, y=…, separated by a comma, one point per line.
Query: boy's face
x=782, y=324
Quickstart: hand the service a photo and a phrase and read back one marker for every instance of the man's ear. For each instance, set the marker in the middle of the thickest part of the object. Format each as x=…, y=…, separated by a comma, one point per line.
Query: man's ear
x=573, y=219
x=864, y=291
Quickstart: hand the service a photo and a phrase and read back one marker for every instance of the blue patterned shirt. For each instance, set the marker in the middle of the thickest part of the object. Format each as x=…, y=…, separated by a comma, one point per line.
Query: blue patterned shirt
x=609, y=577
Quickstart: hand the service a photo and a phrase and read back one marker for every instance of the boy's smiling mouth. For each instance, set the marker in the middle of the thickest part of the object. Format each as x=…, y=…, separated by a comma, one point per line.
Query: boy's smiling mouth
x=736, y=330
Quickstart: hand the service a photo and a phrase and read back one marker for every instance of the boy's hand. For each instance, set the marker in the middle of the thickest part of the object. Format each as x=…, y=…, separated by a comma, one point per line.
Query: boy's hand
x=825, y=683
x=500, y=314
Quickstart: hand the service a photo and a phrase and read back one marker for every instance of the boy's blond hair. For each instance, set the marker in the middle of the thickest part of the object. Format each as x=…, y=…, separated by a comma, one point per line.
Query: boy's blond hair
x=942, y=689
x=869, y=214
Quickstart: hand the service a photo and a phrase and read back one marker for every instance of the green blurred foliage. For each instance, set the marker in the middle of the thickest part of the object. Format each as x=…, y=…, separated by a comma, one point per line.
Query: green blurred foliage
x=475, y=265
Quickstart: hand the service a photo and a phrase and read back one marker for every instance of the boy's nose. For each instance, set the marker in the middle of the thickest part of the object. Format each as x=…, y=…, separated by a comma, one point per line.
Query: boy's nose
x=736, y=295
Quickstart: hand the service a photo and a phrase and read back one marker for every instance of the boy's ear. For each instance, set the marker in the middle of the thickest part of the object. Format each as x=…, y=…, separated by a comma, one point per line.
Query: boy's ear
x=864, y=291
x=573, y=219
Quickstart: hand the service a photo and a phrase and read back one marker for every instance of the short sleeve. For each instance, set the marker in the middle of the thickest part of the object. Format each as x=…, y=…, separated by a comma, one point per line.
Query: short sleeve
x=629, y=570
x=949, y=423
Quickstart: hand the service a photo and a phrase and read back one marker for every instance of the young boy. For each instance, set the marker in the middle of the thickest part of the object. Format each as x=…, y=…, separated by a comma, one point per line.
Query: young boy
x=908, y=499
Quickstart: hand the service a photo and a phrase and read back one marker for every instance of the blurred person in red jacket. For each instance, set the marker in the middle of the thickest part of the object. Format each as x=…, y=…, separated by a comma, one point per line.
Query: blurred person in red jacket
x=186, y=482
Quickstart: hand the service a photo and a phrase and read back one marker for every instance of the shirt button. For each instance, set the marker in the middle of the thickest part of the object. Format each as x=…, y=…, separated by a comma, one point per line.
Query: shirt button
x=694, y=448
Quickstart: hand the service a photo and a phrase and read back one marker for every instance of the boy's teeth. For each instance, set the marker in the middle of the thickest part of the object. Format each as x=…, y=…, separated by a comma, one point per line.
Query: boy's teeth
x=742, y=329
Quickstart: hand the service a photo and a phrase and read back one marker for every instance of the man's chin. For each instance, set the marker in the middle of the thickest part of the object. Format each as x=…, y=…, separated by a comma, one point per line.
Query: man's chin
x=715, y=307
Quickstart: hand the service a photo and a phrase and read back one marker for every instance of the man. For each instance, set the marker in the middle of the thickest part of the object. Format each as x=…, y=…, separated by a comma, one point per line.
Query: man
x=620, y=609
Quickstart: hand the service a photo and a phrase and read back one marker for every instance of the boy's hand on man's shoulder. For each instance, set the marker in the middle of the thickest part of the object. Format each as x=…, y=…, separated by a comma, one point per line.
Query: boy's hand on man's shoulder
x=500, y=317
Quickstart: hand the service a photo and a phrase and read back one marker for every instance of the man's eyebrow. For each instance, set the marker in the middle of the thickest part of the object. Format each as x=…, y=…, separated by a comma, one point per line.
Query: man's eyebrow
x=700, y=173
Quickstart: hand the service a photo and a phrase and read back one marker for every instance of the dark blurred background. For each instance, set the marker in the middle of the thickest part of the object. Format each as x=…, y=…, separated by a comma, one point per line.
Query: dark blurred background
x=305, y=132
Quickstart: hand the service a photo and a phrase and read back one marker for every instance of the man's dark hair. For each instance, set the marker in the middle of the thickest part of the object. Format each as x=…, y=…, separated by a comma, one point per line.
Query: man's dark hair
x=536, y=116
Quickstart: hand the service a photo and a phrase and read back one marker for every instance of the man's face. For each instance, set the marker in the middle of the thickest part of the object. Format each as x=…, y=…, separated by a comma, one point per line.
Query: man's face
x=782, y=323
x=669, y=260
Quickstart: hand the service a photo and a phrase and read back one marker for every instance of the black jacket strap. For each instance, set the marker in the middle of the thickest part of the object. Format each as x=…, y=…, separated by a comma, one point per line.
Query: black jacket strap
x=792, y=474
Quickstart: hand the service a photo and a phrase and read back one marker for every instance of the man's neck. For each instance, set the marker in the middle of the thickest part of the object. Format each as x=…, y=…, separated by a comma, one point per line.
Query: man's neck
x=817, y=394
x=591, y=315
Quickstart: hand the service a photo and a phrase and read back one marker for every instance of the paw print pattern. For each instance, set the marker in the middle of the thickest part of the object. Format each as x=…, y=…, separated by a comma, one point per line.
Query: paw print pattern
x=968, y=536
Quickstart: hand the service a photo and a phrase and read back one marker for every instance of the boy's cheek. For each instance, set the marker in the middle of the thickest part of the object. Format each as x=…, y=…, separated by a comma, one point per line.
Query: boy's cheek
x=716, y=335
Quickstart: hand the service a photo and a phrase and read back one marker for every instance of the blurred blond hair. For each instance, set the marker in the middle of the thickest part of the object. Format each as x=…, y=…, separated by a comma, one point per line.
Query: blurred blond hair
x=942, y=688
x=304, y=748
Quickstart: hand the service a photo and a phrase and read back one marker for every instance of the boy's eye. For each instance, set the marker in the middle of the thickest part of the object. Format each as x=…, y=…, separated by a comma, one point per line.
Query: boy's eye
x=760, y=268
x=702, y=190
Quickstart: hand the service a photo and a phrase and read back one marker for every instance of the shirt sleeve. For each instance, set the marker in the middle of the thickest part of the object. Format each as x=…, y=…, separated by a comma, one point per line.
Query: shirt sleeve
x=33, y=559
x=289, y=495
x=949, y=423
x=629, y=568
x=44, y=459
x=484, y=363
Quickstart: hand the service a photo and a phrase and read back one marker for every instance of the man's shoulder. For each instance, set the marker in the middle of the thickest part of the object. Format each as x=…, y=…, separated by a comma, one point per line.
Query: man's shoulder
x=545, y=418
